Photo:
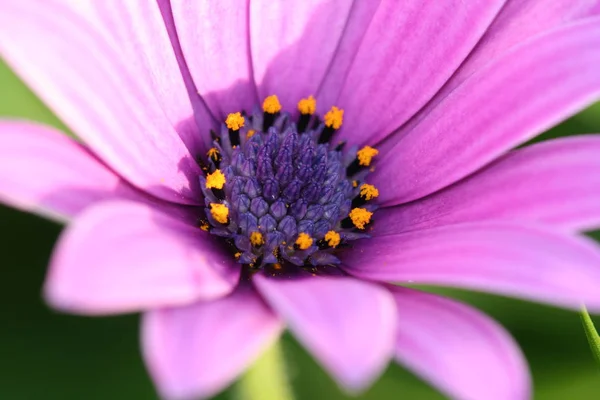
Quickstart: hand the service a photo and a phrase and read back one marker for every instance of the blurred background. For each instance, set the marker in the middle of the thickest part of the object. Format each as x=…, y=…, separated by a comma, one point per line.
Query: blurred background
x=47, y=355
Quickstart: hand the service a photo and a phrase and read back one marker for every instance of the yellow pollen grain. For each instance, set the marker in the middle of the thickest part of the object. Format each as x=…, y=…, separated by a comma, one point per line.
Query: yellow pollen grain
x=204, y=226
x=237, y=255
x=334, y=118
x=271, y=104
x=219, y=212
x=368, y=191
x=277, y=266
x=250, y=133
x=216, y=180
x=360, y=217
x=304, y=241
x=354, y=183
x=307, y=106
x=366, y=154
x=213, y=153
x=332, y=238
x=234, y=121
x=256, y=238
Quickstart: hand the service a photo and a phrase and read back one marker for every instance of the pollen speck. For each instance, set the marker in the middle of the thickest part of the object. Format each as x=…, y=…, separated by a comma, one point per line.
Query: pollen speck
x=304, y=241
x=334, y=118
x=307, y=106
x=256, y=238
x=271, y=104
x=368, y=191
x=332, y=238
x=215, y=180
x=360, y=217
x=354, y=183
x=234, y=121
x=237, y=255
x=366, y=154
x=250, y=133
x=204, y=226
x=277, y=266
x=219, y=212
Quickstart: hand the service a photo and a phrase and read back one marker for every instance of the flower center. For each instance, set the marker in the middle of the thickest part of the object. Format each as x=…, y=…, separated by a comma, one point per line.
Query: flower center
x=278, y=192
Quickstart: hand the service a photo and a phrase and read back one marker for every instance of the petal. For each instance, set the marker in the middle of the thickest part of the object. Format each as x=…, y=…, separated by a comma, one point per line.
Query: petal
x=461, y=351
x=498, y=257
x=293, y=44
x=214, y=40
x=140, y=32
x=556, y=182
x=494, y=110
x=411, y=48
x=348, y=325
x=123, y=257
x=59, y=50
x=517, y=22
x=197, y=350
x=45, y=172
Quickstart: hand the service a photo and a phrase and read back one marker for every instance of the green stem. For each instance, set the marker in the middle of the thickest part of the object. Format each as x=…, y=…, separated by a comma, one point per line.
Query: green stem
x=267, y=379
x=591, y=333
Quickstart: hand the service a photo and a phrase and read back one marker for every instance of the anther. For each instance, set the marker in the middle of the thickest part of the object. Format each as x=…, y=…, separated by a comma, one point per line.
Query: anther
x=215, y=182
x=219, y=212
x=250, y=133
x=367, y=192
x=271, y=108
x=332, y=238
x=257, y=239
x=234, y=122
x=358, y=217
x=307, y=108
x=333, y=122
x=304, y=241
x=204, y=225
x=215, y=156
x=363, y=160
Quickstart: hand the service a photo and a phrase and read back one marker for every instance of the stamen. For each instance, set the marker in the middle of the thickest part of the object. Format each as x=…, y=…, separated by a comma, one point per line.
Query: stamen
x=333, y=122
x=365, y=155
x=368, y=191
x=363, y=159
x=216, y=180
x=215, y=156
x=271, y=105
x=234, y=122
x=271, y=108
x=257, y=239
x=219, y=212
x=304, y=241
x=332, y=238
x=360, y=217
x=307, y=108
x=250, y=133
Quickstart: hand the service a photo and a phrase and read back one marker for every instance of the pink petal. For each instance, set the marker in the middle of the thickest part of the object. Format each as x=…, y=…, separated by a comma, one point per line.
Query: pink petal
x=139, y=30
x=348, y=325
x=214, y=40
x=410, y=50
x=75, y=67
x=495, y=110
x=197, y=350
x=517, y=22
x=498, y=257
x=45, y=172
x=122, y=257
x=293, y=43
x=555, y=182
x=461, y=351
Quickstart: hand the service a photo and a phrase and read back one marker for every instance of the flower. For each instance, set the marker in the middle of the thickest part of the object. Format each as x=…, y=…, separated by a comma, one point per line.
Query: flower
x=432, y=96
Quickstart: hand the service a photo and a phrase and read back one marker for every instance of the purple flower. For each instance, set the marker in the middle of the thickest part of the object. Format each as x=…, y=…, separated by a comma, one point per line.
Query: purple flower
x=224, y=238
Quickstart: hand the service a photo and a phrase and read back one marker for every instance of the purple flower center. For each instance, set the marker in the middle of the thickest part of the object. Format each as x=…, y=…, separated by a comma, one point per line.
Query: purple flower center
x=278, y=192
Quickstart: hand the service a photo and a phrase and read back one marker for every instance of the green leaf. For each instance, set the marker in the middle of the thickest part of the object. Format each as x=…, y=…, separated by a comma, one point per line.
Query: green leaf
x=591, y=333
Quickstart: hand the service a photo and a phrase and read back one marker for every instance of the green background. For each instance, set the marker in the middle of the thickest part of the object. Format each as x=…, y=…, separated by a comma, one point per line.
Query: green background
x=47, y=355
